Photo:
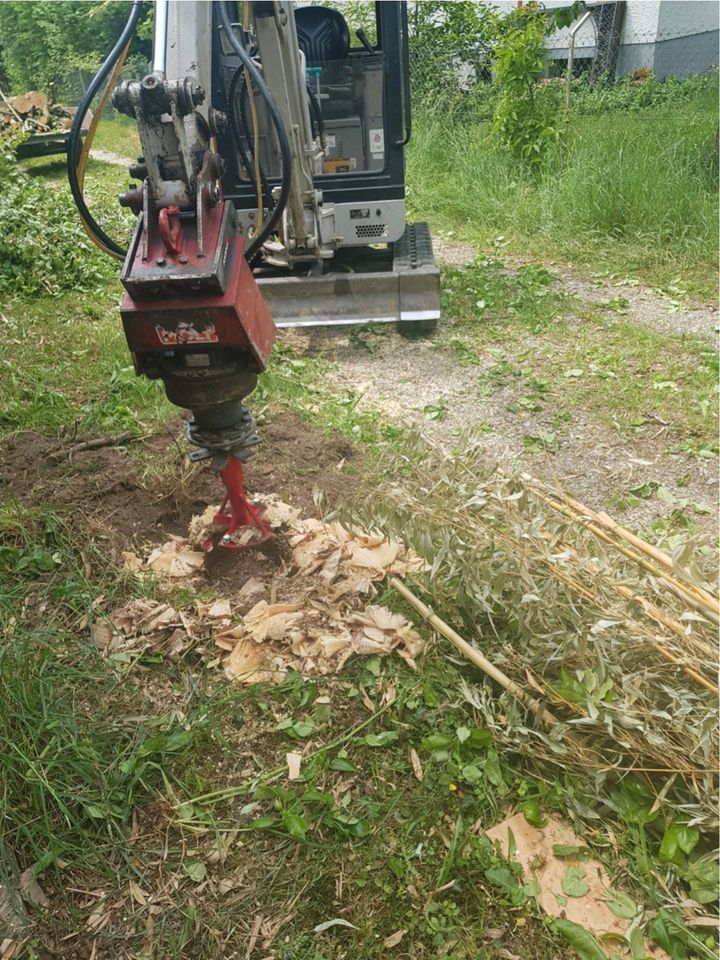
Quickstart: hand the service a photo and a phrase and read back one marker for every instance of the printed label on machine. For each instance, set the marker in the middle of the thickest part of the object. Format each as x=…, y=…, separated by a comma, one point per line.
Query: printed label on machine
x=186, y=333
x=377, y=140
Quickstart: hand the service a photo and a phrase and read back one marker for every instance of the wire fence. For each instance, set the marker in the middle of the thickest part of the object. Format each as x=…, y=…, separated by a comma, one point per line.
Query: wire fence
x=617, y=70
x=615, y=67
x=70, y=88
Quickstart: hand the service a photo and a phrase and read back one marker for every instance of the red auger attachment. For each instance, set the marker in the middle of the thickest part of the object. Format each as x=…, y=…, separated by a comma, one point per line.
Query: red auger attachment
x=245, y=528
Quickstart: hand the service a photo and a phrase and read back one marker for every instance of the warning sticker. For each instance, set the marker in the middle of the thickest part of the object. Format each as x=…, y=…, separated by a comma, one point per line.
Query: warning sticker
x=377, y=140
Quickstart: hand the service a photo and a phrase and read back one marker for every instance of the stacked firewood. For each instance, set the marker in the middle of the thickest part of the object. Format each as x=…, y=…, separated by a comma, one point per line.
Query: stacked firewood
x=32, y=112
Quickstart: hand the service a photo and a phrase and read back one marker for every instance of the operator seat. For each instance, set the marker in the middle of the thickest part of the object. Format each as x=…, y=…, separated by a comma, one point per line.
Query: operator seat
x=323, y=34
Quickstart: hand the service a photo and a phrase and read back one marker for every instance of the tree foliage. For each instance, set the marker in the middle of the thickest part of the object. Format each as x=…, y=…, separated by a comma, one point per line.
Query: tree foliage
x=527, y=115
x=461, y=32
x=42, y=41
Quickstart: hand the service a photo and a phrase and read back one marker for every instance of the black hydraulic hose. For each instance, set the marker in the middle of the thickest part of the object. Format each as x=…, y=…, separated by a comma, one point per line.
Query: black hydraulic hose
x=316, y=115
x=73, y=143
x=256, y=77
x=250, y=140
x=247, y=160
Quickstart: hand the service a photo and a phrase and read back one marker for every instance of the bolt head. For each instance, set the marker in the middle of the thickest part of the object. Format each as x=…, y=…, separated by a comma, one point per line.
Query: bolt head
x=160, y=261
x=183, y=259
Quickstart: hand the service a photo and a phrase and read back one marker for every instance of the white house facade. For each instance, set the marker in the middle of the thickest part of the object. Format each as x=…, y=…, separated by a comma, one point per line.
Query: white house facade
x=671, y=37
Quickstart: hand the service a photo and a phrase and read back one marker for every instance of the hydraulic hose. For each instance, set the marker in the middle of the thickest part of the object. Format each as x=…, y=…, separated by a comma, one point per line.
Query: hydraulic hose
x=236, y=93
x=283, y=144
x=74, y=146
x=316, y=115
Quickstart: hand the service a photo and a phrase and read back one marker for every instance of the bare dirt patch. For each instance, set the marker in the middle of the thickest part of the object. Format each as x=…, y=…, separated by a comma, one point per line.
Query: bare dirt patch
x=113, y=485
x=407, y=380
x=422, y=384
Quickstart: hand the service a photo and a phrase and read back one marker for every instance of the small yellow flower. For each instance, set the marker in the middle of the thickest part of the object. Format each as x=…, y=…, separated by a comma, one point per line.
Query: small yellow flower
x=452, y=787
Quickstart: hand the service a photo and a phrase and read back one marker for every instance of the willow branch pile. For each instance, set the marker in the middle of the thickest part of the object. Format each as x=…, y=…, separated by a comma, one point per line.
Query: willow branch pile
x=616, y=637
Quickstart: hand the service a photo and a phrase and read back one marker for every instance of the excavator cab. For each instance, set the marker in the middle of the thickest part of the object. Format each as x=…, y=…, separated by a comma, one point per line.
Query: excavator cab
x=358, y=89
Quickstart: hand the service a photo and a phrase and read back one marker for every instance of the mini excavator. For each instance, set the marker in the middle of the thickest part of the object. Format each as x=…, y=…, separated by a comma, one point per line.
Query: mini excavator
x=269, y=194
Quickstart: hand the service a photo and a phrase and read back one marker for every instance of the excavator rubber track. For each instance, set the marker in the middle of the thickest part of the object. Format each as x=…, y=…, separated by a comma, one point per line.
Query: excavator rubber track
x=398, y=283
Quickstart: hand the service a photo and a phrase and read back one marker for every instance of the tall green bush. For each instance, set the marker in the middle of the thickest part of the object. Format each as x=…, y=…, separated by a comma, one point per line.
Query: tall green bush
x=527, y=113
x=526, y=116
x=43, y=248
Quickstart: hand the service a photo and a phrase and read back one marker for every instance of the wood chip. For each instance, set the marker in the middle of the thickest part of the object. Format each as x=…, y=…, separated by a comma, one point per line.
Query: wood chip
x=215, y=609
x=176, y=560
x=294, y=760
x=30, y=889
x=534, y=850
x=254, y=934
x=394, y=939
x=137, y=894
x=132, y=562
x=10, y=948
x=102, y=634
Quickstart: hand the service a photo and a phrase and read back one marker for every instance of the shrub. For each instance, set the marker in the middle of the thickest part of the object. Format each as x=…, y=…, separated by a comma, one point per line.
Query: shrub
x=629, y=95
x=43, y=247
x=526, y=116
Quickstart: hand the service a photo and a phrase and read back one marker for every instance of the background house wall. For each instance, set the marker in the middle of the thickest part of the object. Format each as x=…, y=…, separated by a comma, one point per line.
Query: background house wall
x=687, y=37
x=672, y=37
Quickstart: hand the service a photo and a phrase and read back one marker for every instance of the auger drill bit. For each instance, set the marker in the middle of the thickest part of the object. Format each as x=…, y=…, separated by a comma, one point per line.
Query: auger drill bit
x=228, y=448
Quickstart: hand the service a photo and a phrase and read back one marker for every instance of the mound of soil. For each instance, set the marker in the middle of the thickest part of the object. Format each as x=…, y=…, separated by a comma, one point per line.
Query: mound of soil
x=115, y=487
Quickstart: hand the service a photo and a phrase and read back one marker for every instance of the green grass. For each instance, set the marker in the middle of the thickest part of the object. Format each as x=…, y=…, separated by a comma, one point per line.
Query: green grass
x=79, y=373
x=92, y=749
x=637, y=195
x=95, y=748
x=118, y=135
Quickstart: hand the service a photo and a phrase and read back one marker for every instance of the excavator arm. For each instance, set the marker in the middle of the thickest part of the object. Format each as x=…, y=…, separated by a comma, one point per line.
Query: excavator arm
x=205, y=274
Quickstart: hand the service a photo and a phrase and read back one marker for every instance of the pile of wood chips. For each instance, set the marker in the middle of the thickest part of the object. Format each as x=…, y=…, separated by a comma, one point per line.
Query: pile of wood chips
x=32, y=112
x=310, y=616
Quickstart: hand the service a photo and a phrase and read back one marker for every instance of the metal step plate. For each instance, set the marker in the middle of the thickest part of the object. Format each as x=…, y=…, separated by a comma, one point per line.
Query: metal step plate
x=399, y=283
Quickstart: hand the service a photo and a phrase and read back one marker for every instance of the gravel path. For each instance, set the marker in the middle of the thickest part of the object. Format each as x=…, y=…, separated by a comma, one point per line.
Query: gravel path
x=409, y=381
x=107, y=157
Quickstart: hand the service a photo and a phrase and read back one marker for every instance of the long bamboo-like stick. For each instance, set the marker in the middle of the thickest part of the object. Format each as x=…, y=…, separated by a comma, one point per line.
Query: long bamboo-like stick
x=655, y=613
x=604, y=520
x=659, y=617
x=473, y=655
x=607, y=521
x=652, y=612
x=650, y=609
x=678, y=587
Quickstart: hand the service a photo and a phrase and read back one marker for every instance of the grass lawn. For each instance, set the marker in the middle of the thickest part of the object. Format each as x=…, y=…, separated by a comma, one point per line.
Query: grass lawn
x=147, y=795
x=636, y=195
x=596, y=358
